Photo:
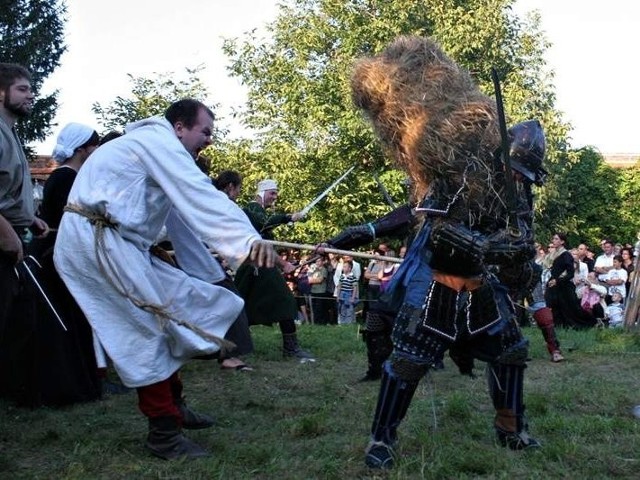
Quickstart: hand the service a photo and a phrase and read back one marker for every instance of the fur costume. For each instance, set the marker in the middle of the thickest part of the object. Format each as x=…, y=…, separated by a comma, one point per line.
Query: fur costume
x=428, y=113
x=439, y=128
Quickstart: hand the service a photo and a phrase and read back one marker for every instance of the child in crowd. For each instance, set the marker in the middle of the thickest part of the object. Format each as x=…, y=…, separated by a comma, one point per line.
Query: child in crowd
x=614, y=313
x=347, y=293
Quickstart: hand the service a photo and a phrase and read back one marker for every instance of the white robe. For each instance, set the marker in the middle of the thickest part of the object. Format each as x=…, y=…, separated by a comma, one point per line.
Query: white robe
x=136, y=180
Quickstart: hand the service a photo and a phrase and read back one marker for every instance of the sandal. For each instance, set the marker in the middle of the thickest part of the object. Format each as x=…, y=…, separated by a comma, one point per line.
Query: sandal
x=237, y=365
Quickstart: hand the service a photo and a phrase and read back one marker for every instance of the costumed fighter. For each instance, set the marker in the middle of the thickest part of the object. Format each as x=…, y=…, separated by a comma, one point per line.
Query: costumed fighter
x=268, y=299
x=150, y=316
x=476, y=213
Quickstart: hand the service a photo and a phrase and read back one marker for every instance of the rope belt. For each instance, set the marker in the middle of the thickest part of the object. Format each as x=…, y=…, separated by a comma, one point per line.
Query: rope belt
x=107, y=268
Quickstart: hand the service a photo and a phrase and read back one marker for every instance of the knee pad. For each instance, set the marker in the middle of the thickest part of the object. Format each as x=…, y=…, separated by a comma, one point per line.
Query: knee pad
x=514, y=354
x=407, y=369
x=375, y=321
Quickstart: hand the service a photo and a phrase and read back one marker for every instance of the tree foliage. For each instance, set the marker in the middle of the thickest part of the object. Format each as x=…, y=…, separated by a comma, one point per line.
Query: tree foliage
x=151, y=96
x=300, y=102
x=32, y=35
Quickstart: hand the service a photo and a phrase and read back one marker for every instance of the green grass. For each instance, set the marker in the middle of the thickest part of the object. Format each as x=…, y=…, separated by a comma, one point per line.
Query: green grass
x=290, y=421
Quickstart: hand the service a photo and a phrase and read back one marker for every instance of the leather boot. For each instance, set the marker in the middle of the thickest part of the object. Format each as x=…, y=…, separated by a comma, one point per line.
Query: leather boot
x=291, y=348
x=193, y=420
x=165, y=440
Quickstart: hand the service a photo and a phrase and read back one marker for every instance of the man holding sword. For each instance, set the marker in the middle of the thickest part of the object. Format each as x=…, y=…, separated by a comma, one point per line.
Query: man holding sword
x=16, y=216
x=267, y=298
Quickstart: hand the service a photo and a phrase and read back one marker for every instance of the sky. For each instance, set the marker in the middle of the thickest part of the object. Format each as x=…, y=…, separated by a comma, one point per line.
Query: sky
x=592, y=55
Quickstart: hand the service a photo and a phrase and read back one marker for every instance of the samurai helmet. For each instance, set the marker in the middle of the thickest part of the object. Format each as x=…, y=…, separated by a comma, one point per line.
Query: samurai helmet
x=527, y=150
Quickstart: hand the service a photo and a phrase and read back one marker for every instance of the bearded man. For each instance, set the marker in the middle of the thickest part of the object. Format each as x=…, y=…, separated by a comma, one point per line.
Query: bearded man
x=17, y=319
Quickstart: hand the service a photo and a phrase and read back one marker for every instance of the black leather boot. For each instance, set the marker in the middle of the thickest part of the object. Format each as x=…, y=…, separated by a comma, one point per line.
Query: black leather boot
x=291, y=349
x=193, y=420
x=165, y=440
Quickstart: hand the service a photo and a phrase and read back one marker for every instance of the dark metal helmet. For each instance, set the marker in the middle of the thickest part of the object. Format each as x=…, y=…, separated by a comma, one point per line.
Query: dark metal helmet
x=527, y=150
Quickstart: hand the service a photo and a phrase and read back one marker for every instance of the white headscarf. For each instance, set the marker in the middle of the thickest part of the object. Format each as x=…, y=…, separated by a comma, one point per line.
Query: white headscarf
x=265, y=185
x=72, y=136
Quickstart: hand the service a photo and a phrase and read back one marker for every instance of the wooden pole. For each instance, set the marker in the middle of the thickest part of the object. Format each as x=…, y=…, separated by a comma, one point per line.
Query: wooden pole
x=322, y=250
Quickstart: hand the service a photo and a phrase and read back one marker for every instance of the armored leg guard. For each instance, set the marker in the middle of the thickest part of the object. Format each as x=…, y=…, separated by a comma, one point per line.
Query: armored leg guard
x=544, y=320
x=379, y=347
x=377, y=337
x=396, y=393
x=505, y=387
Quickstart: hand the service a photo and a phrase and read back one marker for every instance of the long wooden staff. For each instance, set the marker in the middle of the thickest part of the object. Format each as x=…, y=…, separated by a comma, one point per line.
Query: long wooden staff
x=315, y=248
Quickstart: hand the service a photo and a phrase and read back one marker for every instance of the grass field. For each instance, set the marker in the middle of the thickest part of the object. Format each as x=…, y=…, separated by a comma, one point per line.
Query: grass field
x=290, y=421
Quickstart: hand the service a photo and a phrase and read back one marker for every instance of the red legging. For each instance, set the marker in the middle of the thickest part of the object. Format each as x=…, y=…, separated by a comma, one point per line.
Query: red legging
x=158, y=399
x=544, y=319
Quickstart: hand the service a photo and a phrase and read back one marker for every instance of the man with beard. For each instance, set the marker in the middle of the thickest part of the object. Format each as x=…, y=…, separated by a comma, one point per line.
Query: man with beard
x=150, y=316
x=16, y=216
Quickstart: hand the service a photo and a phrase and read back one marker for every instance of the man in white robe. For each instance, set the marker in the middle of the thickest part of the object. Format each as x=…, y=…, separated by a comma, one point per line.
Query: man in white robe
x=150, y=316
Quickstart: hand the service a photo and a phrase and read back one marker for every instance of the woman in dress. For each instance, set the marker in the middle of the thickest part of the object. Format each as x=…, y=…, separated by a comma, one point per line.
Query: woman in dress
x=561, y=295
x=67, y=371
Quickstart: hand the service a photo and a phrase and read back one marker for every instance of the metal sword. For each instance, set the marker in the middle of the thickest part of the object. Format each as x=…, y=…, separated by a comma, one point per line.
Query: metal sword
x=315, y=201
x=384, y=191
x=504, y=137
x=37, y=284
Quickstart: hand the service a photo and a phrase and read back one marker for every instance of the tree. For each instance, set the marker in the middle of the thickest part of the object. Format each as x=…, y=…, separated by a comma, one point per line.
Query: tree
x=149, y=97
x=584, y=203
x=299, y=97
x=32, y=35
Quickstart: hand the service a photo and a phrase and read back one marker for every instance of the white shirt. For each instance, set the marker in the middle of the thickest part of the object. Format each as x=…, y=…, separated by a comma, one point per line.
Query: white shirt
x=620, y=274
x=603, y=260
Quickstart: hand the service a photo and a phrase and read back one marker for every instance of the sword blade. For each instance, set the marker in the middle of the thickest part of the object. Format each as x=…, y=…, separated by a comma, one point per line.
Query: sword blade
x=315, y=201
x=384, y=191
x=44, y=295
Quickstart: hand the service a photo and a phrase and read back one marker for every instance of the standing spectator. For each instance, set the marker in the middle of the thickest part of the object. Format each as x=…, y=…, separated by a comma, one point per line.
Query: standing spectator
x=356, y=270
x=604, y=262
x=583, y=255
x=347, y=295
x=387, y=270
x=303, y=289
x=17, y=317
x=580, y=269
x=372, y=287
x=318, y=282
x=560, y=295
x=628, y=265
x=332, y=312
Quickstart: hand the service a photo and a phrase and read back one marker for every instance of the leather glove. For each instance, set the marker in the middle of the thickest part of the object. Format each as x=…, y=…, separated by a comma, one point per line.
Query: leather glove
x=352, y=237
